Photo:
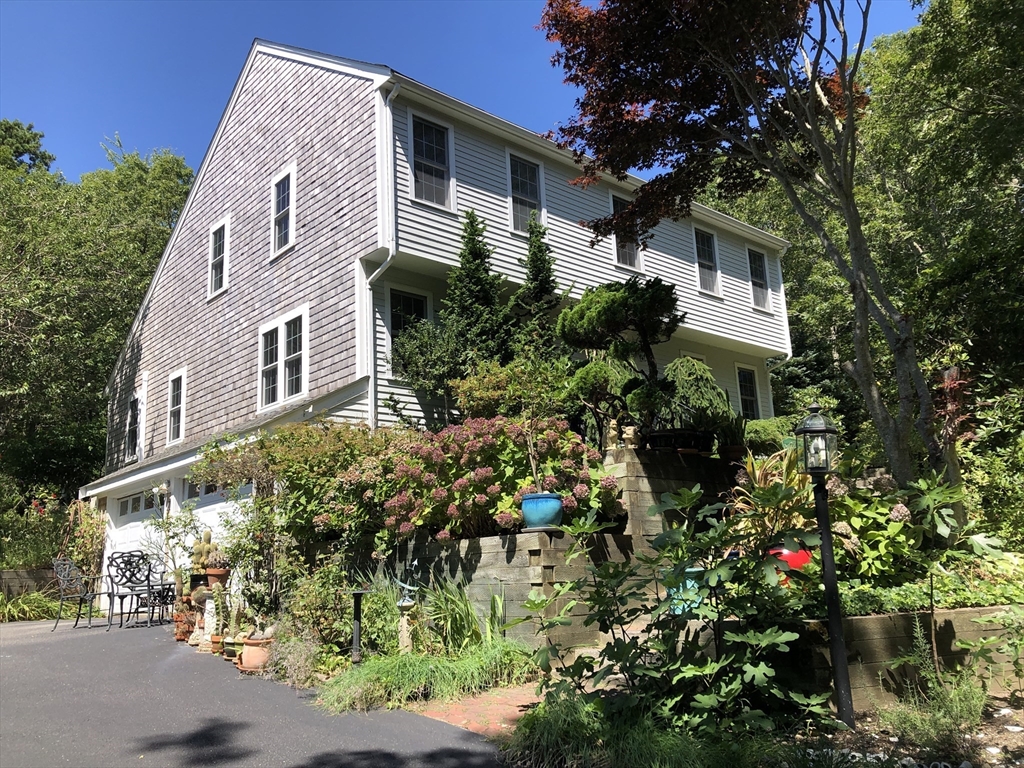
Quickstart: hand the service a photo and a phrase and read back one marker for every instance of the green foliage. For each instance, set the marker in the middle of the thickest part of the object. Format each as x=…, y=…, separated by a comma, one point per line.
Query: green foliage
x=169, y=535
x=703, y=677
x=393, y=681
x=38, y=606
x=574, y=731
x=469, y=479
x=32, y=537
x=529, y=385
x=21, y=147
x=533, y=304
x=473, y=325
x=1009, y=643
x=993, y=462
x=938, y=710
x=76, y=260
x=767, y=436
x=452, y=615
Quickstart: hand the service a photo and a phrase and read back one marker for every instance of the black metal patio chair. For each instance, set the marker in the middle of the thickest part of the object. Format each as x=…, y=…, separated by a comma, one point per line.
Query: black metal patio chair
x=134, y=578
x=74, y=585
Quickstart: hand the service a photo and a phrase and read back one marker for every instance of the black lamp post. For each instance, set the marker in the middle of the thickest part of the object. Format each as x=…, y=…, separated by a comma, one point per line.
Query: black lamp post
x=817, y=446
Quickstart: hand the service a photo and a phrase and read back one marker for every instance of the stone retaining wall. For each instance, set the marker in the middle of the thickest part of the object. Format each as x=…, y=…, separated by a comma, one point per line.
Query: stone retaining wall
x=14, y=583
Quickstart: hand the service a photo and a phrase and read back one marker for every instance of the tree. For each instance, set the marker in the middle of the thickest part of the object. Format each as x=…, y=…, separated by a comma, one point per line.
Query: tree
x=473, y=325
x=535, y=301
x=21, y=147
x=737, y=93
x=75, y=262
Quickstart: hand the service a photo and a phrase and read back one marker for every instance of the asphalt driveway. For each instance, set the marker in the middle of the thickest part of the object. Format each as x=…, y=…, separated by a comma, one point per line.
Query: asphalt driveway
x=86, y=697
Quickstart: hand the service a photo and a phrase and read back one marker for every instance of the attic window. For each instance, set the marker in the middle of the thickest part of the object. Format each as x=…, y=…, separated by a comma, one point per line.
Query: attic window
x=176, y=406
x=282, y=205
x=218, y=272
x=131, y=440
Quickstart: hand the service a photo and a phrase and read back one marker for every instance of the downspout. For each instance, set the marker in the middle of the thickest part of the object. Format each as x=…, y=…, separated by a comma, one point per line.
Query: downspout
x=391, y=227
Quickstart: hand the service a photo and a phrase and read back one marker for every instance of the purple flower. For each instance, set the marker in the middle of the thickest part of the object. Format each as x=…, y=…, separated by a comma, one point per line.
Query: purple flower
x=593, y=455
x=480, y=500
x=406, y=528
x=569, y=502
x=900, y=514
x=549, y=483
x=460, y=485
x=493, y=490
x=452, y=511
x=483, y=473
x=443, y=535
x=609, y=483
x=390, y=521
x=581, y=491
x=430, y=479
x=505, y=519
x=439, y=494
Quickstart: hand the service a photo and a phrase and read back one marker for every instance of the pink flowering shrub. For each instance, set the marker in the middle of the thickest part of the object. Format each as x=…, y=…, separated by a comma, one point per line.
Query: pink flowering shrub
x=469, y=479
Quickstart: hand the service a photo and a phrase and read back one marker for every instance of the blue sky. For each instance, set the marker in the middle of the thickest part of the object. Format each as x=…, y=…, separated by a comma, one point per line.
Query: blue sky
x=160, y=73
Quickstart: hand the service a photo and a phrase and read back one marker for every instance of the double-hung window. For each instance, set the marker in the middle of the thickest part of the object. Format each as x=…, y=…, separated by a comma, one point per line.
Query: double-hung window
x=218, y=272
x=759, y=279
x=282, y=206
x=625, y=249
x=525, y=183
x=431, y=166
x=131, y=437
x=747, y=380
x=707, y=263
x=406, y=309
x=284, y=358
x=176, y=406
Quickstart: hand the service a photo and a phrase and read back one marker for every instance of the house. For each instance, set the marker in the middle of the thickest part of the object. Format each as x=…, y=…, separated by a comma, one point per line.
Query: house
x=324, y=215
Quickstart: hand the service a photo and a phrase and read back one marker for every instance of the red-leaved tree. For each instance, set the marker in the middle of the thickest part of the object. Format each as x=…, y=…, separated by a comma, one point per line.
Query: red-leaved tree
x=733, y=93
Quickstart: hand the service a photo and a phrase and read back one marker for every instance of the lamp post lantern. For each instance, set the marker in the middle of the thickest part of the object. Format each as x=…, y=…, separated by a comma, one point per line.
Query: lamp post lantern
x=817, y=450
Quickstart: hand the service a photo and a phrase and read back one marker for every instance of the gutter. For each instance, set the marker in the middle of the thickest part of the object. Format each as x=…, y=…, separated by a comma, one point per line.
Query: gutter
x=391, y=229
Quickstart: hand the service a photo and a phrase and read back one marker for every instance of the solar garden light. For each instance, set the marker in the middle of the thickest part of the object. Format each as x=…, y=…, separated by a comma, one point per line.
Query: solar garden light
x=817, y=442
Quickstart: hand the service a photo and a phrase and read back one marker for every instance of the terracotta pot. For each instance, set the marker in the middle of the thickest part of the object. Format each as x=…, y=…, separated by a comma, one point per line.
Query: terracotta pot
x=232, y=648
x=255, y=654
x=217, y=643
x=218, y=576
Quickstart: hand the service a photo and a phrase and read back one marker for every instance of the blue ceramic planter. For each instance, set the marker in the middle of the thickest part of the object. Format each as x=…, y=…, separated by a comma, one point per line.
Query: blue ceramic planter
x=686, y=596
x=542, y=510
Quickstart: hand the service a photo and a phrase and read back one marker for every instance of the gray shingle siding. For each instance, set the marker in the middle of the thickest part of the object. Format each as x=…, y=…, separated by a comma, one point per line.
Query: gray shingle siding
x=284, y=111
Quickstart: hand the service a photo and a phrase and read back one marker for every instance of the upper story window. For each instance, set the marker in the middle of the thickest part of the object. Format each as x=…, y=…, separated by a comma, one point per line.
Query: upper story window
x=284, y=358
x=431, y=164
x=525, y=184
x=707, y=262
x=131, y=437
x=759, y=279
x=406, y=309
x=626, y=251
x=218, y=271
x=747, y=380
x=176, y=406
x=282, y=197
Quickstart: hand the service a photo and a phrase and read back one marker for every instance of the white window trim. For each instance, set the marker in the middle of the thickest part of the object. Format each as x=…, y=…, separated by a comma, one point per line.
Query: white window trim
x=279, y=323
x=757, y=389
x=718, y=262
x=770, y=309
x=292, y=170
x=226, y=223
x=542, y=214
x=639, y=268
x=453, y=206
x=144, y=511
x=182, y=372
x=387, y=288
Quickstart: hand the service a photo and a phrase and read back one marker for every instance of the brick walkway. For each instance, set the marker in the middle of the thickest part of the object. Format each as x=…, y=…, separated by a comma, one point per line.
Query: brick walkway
x=491, y=714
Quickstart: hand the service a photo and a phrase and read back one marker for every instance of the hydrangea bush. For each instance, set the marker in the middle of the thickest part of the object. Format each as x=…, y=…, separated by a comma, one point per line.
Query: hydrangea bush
x=469, y=479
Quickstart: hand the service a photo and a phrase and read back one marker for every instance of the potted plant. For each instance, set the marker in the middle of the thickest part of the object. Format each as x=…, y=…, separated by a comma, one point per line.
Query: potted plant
x=233, y=639
x=541, y=509
x=731, y=432
x=256, y=649
x=687, y=423
x=220, y=601
x=199, y=598
x=218, y=567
